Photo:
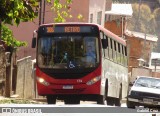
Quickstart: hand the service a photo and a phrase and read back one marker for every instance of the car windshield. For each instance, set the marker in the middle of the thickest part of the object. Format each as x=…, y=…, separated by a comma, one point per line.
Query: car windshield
x=68, y=52
x=148, y=82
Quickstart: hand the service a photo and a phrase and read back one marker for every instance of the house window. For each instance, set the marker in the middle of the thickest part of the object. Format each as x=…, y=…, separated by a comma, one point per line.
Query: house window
x=99, y=17
x=91, y=18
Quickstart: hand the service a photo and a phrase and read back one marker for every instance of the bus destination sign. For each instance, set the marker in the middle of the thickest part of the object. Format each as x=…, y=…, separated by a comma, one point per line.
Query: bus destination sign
x=69, y=29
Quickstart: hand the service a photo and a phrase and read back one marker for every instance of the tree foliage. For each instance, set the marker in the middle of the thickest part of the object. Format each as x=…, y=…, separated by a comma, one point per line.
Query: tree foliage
x=157, y=18
x=143, y=20
x=16, y=11
x=62, y=10
x=9, y=39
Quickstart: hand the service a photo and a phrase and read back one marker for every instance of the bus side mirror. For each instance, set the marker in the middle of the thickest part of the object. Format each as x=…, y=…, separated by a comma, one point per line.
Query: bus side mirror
x=104, y=43
x=33, y=42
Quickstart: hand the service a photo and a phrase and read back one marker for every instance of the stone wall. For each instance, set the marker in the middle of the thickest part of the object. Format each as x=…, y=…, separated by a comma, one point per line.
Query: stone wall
x=24, y=81
x=2, y=70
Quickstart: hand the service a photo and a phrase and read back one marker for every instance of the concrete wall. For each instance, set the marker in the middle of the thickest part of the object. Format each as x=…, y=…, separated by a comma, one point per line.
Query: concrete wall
x=24, y=84
x=2, y=64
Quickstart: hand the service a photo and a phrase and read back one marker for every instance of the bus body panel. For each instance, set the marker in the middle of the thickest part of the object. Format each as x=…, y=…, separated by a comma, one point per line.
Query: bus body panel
x=56, y=86
x=116, y=75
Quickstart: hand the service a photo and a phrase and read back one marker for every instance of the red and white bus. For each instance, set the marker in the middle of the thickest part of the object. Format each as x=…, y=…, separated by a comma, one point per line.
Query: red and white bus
x=65, y=70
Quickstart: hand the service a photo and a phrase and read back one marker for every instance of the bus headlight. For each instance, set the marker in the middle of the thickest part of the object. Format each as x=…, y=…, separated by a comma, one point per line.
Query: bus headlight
x=42, y=81
x=94, y=80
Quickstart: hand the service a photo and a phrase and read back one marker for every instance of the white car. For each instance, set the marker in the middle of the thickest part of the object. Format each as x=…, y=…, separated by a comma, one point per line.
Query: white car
x=144, y=92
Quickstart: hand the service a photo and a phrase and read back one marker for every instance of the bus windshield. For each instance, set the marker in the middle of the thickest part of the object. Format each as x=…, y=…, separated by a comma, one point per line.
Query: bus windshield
x=63, y=52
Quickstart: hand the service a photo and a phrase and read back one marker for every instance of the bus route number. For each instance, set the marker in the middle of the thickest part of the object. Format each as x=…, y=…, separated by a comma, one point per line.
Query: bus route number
x=50, y=30
x=72, y=29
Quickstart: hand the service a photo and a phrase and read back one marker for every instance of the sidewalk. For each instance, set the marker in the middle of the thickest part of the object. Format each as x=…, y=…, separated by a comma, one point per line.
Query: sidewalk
x=2, y=98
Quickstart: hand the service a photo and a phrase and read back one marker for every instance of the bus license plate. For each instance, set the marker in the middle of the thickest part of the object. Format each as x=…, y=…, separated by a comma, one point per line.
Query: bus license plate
x=67, y=86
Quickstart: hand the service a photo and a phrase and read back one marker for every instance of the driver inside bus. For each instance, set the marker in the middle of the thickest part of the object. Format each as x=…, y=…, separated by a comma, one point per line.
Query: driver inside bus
x=90, y=55
x=90, y=52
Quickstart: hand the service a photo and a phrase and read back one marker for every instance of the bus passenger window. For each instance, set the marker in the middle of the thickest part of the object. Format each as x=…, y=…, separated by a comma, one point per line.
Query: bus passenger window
x=119, y=54
x=122, y=55
x=125, y=56
x=110, y=49
x=106, y=51
x=114, y=51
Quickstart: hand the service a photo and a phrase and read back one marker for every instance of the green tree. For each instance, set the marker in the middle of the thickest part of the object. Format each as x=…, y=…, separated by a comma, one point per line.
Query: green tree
x=9, y=39
x=143, y=20
x=62, y=10
x=14, y=12
x=157, y=18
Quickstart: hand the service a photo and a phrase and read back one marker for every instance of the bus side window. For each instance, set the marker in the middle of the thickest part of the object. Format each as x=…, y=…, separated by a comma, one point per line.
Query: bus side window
x=110, y=49
x=123, y=60
x=106, y=52
x=119, y=54
x=125, y=55
x=115, y=51
x=105, y=42
x=107, y=49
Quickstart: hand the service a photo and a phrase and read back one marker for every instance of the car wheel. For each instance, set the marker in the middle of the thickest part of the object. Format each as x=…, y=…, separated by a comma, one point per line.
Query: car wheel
x=130, y=104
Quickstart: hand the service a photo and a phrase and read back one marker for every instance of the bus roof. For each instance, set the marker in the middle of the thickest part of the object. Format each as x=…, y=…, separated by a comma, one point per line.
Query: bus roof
x=112, y=35
x=107, y=32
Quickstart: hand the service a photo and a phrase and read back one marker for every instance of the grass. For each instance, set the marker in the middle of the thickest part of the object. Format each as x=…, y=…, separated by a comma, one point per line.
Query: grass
x=18, y=101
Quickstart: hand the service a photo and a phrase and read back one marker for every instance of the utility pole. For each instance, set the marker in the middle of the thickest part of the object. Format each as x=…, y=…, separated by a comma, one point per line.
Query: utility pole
x=144, y=48
x=42, y=7
x=40, y=12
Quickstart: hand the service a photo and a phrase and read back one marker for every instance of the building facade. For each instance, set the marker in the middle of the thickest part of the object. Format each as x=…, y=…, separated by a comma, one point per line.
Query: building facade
x=140, y=46
x=97, y=10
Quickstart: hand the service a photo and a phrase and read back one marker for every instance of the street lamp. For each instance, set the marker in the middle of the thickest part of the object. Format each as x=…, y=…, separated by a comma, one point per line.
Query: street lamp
x=141, y=62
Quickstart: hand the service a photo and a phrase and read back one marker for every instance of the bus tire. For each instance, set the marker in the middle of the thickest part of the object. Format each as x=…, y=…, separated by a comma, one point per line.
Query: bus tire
x=51, y=99
x=110, y=101
x=118, y=100
x=101, y=99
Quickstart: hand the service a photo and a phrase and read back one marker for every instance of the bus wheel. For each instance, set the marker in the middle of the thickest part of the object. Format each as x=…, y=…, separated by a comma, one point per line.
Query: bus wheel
x=51, y=99
x=110, y=101
x=118, y=100
x=101, y=99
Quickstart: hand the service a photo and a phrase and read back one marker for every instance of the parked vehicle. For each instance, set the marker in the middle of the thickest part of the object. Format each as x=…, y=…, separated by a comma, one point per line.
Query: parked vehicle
x=144, y=92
